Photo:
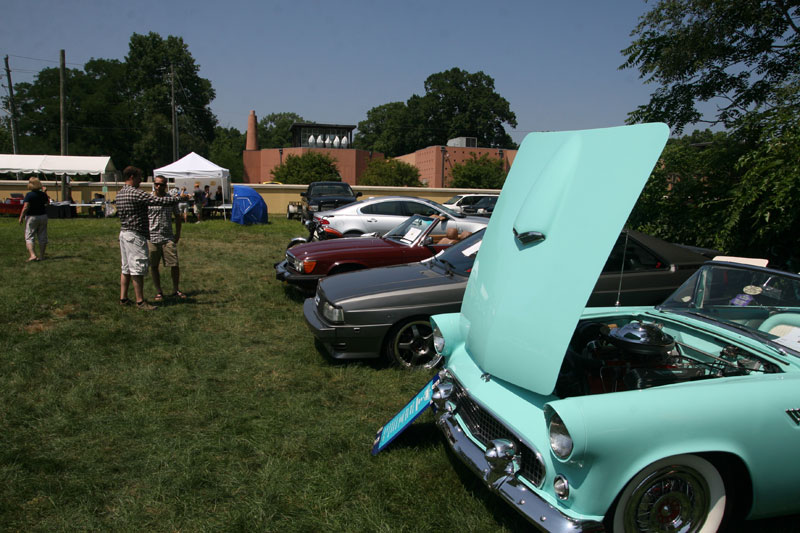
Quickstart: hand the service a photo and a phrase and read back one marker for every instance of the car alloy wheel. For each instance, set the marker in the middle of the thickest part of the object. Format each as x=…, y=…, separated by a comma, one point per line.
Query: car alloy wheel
x=411, y=344
x=682, y=493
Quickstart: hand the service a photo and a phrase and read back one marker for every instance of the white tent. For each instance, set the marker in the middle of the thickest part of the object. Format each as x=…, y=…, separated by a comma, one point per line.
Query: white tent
x=56, y=164
x=191, y=169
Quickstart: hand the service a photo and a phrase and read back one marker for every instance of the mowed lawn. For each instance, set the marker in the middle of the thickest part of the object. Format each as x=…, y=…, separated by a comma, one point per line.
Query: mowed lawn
x=215, y=413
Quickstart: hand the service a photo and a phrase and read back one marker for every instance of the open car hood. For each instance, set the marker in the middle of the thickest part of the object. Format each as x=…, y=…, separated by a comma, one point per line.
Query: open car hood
x=561, y=209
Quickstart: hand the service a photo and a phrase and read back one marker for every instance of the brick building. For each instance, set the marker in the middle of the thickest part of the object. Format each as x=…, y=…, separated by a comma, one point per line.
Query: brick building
x=331, y=139
x=435, y=163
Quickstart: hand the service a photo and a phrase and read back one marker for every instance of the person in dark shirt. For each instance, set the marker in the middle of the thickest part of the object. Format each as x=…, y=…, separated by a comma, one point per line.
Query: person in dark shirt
x=34, y=212
x=198, y=202
x=132, y=203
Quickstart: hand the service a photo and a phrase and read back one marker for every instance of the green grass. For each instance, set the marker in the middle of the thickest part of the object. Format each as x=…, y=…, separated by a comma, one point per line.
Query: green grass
x=216, y=413
x=212, y=414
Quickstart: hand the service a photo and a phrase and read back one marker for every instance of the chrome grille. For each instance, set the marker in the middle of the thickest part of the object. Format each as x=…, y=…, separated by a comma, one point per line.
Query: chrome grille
x=292, y=261
x=486, y=428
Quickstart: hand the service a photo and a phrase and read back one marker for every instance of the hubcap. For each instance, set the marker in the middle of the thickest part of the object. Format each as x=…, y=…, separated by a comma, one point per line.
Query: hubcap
x=672, y=499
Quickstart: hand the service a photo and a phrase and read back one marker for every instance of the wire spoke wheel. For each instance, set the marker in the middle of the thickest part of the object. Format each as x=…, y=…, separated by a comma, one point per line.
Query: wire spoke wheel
x=411, y=344
x=678, y=494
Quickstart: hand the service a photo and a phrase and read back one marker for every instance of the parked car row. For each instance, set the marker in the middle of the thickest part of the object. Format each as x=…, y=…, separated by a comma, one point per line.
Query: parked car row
x=416, y=238
x=595, y=379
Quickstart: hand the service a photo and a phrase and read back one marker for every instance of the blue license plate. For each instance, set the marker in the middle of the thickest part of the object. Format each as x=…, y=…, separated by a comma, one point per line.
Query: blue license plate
x=405, y=417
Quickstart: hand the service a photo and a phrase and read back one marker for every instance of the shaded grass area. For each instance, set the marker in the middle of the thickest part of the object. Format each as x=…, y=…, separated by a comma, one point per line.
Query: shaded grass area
x=213, y=413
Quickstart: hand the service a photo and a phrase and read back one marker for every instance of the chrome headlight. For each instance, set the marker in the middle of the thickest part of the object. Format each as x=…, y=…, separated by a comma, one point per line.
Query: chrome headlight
x=332, y=313
x=313, y=208
x=560, y=439
x=438, y=339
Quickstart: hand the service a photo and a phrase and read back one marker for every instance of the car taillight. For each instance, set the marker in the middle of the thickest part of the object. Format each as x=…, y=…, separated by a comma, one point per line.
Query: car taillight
x=308, y=266
x=332, y=231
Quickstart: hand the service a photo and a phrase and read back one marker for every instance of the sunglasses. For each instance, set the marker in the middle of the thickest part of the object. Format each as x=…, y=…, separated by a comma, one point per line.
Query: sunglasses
x=160, y=184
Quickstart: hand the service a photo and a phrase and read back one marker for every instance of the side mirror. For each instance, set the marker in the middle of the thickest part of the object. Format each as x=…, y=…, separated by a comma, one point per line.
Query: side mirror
x=303, y=194
x=358, y=194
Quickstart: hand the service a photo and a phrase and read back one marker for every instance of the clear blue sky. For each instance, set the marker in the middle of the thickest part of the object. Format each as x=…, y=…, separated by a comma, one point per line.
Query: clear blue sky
x=331, y=61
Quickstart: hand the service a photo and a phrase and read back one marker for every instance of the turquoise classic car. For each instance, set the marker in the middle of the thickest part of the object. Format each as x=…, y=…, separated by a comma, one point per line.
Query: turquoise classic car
x=675, y=418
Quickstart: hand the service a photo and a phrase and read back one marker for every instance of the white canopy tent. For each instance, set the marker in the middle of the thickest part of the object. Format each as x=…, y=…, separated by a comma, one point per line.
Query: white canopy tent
x=70, y=165
x=193, y=168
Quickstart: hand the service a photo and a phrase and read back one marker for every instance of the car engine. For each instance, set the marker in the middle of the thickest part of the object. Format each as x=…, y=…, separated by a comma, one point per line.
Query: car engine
x=604, y=358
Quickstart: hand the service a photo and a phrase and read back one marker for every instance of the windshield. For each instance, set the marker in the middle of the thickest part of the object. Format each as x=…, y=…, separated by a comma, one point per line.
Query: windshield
x=410, y=230
x=454, y=199
x=488, y=201
x=331, y=189
x=459, y=257
x=762, y=301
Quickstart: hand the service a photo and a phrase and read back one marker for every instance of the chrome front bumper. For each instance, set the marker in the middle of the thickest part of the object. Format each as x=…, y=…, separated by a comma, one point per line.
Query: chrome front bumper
x=512, y=490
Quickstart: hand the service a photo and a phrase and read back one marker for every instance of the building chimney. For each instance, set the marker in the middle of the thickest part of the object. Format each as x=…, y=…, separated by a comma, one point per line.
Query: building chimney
x=252, y=132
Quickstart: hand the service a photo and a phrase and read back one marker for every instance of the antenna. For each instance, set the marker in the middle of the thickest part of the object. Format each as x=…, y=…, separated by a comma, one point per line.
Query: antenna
x=622, y=268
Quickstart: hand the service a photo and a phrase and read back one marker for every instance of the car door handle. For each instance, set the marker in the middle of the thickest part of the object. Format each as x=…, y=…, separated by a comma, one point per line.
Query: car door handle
x=372, y=220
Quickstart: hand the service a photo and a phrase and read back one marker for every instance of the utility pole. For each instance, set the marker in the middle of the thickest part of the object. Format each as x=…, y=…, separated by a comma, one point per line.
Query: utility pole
x=174, y=116
x=62, y=82
x=13, y=109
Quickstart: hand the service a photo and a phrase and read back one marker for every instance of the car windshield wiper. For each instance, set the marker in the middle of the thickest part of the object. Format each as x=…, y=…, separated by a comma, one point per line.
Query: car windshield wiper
x=449, y=268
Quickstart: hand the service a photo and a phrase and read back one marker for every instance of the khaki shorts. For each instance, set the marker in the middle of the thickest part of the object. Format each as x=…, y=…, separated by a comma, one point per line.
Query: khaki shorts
x=36, y=226
x=133, y=250
x=166, y=252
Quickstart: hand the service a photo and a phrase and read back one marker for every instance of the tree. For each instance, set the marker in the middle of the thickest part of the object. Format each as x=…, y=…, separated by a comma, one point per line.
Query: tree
x=456, y=104
x=149, y=66
x=303, y=169
x=387, y=129
x=121, y=109
x=479, y=173
x=738, y=192
x=763, y=218
x=274, y=130
x=390, y=173
x=736, y=54
x=97, y=106
x=6, y=144
x=226, y=151
x=460, y=104
x=687, y=197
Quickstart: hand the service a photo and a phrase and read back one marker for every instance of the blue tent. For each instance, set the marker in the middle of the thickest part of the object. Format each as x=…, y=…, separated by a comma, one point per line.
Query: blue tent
x=248, y=206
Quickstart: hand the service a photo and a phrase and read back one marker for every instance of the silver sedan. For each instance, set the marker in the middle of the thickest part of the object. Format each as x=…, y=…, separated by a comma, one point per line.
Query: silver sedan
x=379, y=215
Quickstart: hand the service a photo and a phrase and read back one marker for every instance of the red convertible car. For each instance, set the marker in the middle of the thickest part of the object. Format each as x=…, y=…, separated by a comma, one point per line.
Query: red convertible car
x=417, y=238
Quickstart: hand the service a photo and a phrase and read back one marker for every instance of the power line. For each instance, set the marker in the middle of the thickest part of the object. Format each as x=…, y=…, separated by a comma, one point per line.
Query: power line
x=42, y=59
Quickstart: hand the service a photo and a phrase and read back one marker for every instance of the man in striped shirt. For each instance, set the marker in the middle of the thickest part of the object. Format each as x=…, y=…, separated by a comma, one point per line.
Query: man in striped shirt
x=132, y=204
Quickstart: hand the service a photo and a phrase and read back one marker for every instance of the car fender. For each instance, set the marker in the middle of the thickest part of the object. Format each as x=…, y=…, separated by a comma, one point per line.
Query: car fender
x=717, y=415
x=345, y=263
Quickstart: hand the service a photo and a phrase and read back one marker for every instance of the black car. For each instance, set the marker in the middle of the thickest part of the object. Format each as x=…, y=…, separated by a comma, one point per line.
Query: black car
x=482, y=207
x=326, y=195
x=385, y=311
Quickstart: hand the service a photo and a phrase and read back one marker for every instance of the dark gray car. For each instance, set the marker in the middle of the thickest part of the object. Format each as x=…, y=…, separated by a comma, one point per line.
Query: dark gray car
x=361, y=315
x=385, y=311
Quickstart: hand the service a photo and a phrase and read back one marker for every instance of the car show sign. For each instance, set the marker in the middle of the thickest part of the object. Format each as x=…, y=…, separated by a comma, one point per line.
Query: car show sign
x=405, y=417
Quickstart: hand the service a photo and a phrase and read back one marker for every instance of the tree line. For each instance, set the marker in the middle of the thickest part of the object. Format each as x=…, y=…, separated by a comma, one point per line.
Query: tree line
x=734, y=187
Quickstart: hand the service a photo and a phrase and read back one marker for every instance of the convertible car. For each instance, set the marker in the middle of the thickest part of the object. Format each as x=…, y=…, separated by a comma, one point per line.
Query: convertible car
x=680, y=417
x=386, y=311
x=418, y=238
